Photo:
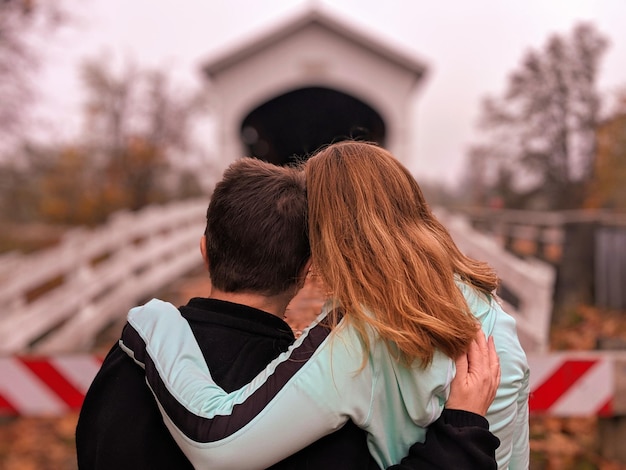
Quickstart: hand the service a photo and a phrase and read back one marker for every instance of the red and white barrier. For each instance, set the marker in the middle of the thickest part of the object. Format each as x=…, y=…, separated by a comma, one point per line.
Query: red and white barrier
x=562, y=384
x=45, y=386
x=570, y=384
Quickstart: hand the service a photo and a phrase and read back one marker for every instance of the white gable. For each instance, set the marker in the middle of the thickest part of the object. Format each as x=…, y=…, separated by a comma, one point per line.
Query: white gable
x=314, y=49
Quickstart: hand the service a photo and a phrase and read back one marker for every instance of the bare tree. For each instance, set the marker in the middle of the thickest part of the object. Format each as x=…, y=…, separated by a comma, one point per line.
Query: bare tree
x=20, y=22
x=540, y=135
x=137, y=124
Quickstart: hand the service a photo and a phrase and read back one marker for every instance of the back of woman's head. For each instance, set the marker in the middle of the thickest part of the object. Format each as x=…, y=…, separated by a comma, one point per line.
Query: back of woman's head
x=377, y=245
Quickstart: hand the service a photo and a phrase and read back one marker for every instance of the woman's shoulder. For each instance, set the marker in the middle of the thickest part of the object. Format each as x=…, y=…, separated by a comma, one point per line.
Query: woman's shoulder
x=473, y=296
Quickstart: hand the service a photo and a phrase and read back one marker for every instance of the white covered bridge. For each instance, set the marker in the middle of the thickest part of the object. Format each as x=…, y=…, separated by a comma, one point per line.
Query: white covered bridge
x=309, y=80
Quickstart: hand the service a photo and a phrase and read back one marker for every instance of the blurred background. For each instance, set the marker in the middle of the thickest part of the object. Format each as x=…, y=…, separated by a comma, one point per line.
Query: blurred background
x=116, y=119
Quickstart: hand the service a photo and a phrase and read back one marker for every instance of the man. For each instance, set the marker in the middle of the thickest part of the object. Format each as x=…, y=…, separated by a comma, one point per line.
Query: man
x=257, y=252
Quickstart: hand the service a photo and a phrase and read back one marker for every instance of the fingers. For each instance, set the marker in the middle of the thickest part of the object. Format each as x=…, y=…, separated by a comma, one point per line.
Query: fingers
x=477, y=354
x=485, y=367
x=477, y=377
x=479, y=357
x=462, y=367
x=494, y=361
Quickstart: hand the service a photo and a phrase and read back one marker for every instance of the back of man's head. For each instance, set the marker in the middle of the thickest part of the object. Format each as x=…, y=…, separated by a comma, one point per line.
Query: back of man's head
x=256, y=233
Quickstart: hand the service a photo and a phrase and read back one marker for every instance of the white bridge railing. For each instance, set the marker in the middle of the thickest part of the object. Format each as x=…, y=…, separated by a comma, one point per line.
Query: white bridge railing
x=61, y=298
x=529, y=281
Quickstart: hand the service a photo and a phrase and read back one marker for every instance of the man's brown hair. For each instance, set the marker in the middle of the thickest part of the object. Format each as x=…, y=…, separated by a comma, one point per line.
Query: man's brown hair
x=256, y=232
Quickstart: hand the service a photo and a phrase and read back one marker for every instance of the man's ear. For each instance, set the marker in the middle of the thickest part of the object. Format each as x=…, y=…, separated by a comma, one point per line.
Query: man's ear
x=203, y=251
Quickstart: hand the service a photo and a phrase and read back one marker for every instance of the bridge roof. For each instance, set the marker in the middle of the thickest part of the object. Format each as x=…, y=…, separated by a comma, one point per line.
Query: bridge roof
x=312, y=15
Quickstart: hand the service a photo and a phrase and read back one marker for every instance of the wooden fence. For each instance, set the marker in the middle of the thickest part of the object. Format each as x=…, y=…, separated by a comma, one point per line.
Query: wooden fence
x=60, y=299
x=610, y=267
x=587, y=246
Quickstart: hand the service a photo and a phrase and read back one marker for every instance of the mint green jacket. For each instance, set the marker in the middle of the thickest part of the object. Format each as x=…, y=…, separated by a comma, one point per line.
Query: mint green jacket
x=393, y=403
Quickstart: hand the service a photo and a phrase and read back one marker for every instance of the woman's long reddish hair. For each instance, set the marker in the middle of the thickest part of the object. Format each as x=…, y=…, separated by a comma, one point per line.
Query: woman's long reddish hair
x=387, y=261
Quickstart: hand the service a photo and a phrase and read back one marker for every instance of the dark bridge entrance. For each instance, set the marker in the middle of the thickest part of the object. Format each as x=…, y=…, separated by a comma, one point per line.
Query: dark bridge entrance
x=294, y=125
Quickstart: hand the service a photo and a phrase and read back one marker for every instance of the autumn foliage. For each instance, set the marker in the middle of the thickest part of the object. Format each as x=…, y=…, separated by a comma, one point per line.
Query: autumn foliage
x=608, y=188
x=77, y=191
x=137, y=137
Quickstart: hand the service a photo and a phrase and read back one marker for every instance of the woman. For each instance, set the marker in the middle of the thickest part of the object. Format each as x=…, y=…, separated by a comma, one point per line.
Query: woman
x=404, y=302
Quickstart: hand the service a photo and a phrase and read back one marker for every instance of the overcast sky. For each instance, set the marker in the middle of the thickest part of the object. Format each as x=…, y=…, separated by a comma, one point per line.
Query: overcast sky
x=470, y=47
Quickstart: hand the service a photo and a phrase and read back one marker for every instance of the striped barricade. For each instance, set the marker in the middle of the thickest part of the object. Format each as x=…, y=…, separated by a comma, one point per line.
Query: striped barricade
x=572, y=383
x=562, y=384
x=45, y=386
